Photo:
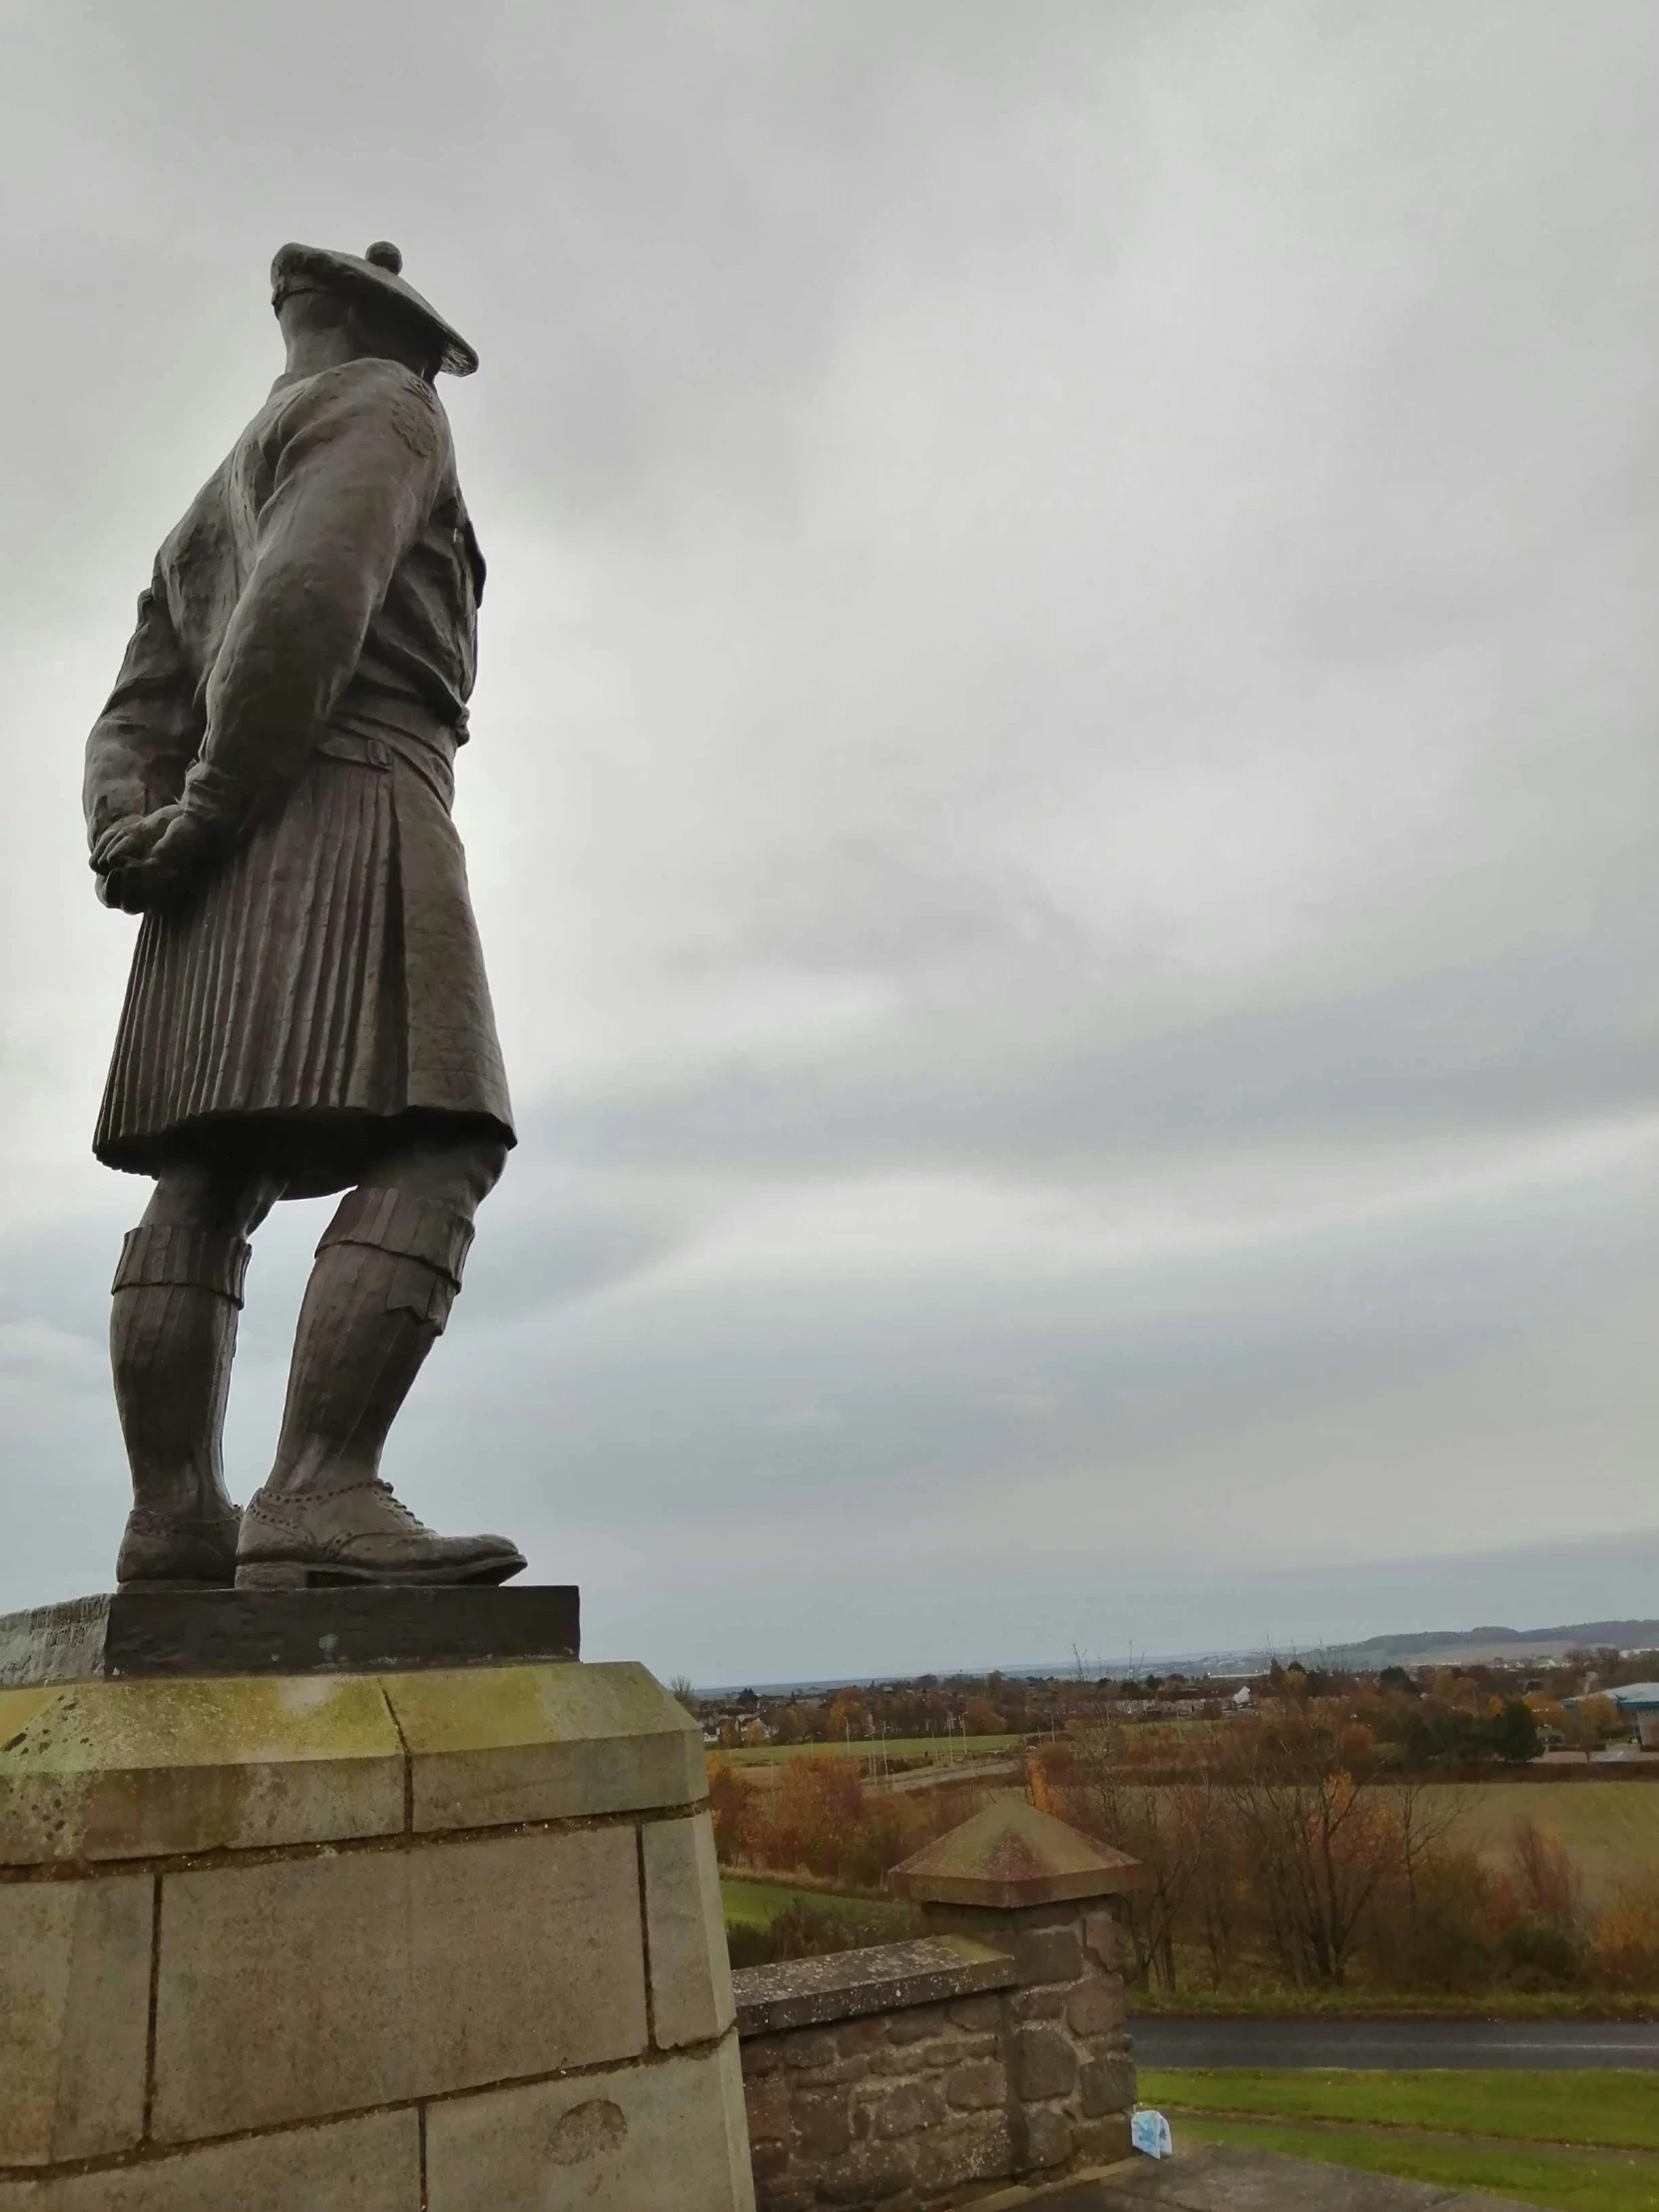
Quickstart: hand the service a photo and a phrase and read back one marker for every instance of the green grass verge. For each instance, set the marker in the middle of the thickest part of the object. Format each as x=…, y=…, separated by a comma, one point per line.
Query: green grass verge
x=758, y=1903
x=1274, y=2003
x=1578, y=2106
x=1565, y=2181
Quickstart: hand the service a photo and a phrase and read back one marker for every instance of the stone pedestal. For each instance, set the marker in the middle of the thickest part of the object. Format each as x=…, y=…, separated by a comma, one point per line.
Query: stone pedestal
x=417, y=1941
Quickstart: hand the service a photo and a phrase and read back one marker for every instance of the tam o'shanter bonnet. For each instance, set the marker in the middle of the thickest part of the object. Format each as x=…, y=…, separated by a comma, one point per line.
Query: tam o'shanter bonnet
x=378, y=274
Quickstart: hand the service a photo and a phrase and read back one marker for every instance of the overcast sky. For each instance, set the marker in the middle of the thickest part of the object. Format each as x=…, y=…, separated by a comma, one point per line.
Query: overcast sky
x=1063, y=805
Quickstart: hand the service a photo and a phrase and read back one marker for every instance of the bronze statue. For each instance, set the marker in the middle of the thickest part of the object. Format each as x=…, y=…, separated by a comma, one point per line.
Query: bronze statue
x=270, y=785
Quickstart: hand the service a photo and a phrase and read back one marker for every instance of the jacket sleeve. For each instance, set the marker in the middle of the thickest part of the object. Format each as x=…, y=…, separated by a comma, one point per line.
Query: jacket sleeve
x=149, y=732
x=358, y=462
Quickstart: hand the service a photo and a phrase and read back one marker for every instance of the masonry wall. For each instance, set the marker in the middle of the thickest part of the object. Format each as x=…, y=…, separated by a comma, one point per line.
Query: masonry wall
x=929, y=2102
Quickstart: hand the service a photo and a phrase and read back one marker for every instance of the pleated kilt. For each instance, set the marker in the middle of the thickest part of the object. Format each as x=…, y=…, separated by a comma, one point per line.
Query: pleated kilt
x=325, y=988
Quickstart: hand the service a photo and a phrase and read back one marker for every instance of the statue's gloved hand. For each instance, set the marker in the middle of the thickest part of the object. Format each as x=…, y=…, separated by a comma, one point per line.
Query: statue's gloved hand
x=146, y=862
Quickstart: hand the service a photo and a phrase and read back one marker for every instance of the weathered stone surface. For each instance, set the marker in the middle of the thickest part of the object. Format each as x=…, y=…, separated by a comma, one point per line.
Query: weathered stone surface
x=1048, y=2139
x=300, y=1988
x=893, y=1979
x=362, y=2165
x=133, y=1635
x=691, y=1974
x=128, y=1769
x=1010, y=1854
x=1107, y=2085
x=1044, y=2063
x=1037, y=2005
x=976, y=2149
x=867, y=2175
x=1102, y=1938
x=767, y=2104
x=913, y=2104
x=982, y=2082
x=823, y=2123
x=665, y=2137
x=74, y=2013
x=1096, y=2006
x=1048, y=1954
x=1099, y=2142
x=488, y=1747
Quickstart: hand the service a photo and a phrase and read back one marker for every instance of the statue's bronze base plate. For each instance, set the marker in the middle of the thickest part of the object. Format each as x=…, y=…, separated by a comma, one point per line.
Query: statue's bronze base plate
x=374, y=1629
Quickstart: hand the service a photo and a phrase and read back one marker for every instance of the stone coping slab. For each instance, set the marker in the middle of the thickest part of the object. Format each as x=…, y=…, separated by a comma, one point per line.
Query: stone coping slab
x=98, y=1771
x=135, y=1635
x=882, y=1978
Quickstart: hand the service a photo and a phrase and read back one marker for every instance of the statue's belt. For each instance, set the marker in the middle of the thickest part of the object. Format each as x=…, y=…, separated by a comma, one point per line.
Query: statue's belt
x=429, y=748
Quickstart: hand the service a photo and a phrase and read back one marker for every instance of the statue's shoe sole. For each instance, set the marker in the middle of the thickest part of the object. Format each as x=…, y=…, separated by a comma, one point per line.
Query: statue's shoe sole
x=285, y=1574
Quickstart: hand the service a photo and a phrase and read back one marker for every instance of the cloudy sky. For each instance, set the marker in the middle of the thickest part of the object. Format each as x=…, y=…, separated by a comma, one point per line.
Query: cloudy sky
x=1063, y=803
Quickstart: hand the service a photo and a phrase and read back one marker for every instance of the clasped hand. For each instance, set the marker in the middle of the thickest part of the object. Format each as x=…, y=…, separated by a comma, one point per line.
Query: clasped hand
x=146, y=860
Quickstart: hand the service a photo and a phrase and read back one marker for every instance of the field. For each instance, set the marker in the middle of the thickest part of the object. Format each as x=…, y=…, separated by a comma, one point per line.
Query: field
x=758, y=1903
x=939, y=1750
x=1610, y=1828
x=1577, y=2141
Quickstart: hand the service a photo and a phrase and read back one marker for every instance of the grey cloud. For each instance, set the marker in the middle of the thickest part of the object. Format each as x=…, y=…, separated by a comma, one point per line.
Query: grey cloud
x=1069, y=620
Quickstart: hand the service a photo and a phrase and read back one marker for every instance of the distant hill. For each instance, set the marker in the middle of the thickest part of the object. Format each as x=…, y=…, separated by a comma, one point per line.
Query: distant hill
x=1498, y=1643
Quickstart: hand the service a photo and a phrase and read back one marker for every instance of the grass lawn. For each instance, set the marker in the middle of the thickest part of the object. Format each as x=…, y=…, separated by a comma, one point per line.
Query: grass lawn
x=1578, y=2105
x=1565, y=2181
x=1276, y=2002
x=758, y=1903
x=1546, y=2138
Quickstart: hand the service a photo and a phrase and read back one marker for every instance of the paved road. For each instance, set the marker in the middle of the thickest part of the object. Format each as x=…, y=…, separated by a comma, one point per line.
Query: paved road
x=1344, y=2042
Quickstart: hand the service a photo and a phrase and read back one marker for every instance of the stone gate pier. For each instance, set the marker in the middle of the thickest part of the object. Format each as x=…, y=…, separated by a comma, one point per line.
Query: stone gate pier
x=993, y=2050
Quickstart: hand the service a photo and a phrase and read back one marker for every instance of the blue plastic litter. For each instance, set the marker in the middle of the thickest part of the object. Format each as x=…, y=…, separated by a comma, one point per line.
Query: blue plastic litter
x=1149, y=2132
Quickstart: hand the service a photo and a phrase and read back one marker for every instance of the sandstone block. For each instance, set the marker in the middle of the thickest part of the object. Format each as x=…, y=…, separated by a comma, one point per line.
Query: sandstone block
x=300, y=1988
x=1049, y=1954
x=691, y=1975
x=983, y=2082
x=815, y=2049
x=1048, y=2139
x=823, y=2122
x=1044, y=2064
x=667, y=2136
x=976, y=2149
x=492, y=1746
x=768, y=2105
x=1107, y=2085
x=362, y=2165
x=874, y=2172
x=74, y=2017
x=912, y=2105
x=1096, y=2006
x=128, y=1769
x=1101, y=1937
x=1100, y=2142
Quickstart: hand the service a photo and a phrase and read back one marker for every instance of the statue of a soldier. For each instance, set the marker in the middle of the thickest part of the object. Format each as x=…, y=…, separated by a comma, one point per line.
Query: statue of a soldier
x=270, y=785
